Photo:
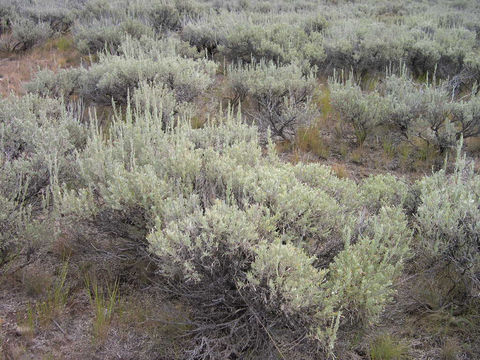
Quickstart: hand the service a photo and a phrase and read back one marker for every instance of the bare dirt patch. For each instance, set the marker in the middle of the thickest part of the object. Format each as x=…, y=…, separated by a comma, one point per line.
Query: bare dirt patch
x=16, y=68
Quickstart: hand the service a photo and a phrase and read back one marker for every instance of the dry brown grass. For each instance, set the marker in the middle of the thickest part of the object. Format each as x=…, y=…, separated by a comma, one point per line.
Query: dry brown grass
x=16, y=68
x=340, y=170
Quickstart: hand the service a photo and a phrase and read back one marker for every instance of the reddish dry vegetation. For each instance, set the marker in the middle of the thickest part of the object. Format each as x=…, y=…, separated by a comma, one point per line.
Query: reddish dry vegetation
x=16, y=68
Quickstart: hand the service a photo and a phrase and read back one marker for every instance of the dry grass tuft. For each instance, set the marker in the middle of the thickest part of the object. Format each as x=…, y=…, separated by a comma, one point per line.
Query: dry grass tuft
x=309, y=139
x=340, y=171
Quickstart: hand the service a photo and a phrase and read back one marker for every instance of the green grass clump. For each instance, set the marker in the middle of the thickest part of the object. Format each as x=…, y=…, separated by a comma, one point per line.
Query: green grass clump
x=103, y=302
x=388, y=348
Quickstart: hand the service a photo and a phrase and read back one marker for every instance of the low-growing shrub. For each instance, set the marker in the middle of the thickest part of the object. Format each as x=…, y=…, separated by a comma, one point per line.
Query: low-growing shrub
x=25, y=34
x=362, y=274
x=425, y=112
x=434, y=126
x=116, y=76
x=467, y=115
x=38, y=137
x=58, y=16
x=12, y=220
x=281, y=94
x=202, y=34
x=153, y=98
x=362, y=111
x=448, y=221
x=64, y=82
x=6, y=17
x=37, y=140
x=406, y=105
x=421, y=111
x=165, y=16
x=378, y=191
x=266, y=242
x=106, y=34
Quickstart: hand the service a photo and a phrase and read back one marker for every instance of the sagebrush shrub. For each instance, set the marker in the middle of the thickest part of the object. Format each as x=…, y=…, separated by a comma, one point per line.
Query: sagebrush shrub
x=406, y=106
x=25, y=34
x=281, y=94
x=153, y=98
x=203, y=35
x=59, y=16
x=363, y=111
x=10, y=224
x=467, y=115
x=7, y=12
x=37, y=139
x=165, y=16
x=107, y=34
x=117, y=76
x=378, y=191
x=220, y=217
x=363, y=272
x=448, y=221
x=61, y=83
x=269, y=256
x=412, y=110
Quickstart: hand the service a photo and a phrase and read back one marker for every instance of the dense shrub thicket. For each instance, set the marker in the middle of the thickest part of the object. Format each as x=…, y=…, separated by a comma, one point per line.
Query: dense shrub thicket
x=244, y=231
x=449, y=227
x=426, y=111
x=28, y=23
x=38, y=137
x=273, y=259
x=365, y=36
x=286, y=252
x=291, y=249
x=115, y=76
x=282, y=95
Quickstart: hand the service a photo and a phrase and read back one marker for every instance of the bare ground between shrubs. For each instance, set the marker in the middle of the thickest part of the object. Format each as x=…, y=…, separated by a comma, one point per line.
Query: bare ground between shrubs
x=16, y=69
x=146, y=325
x=142, y=324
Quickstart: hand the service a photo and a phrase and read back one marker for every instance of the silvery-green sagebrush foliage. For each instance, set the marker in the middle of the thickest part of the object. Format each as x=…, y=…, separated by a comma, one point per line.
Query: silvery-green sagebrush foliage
x=281, y=95
x=378, y=191
x=32, y=22
x=63, y=83
x=273, y=246
x=428, y=111
x=363, y=273
x=448, y=221
x=59, y=15
x=364, y=36
x=466, y=114
x=11, y=224
x=275, y=42
x=411, y=110
x=170, y=15
x=38, y=137
x=115, y=76
x=103, y=25
x=420, y=110
x=158, y=98
x=7, y=14
x=107, y=34
x=25, y=33
x=363, y=111
x=360, y=36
